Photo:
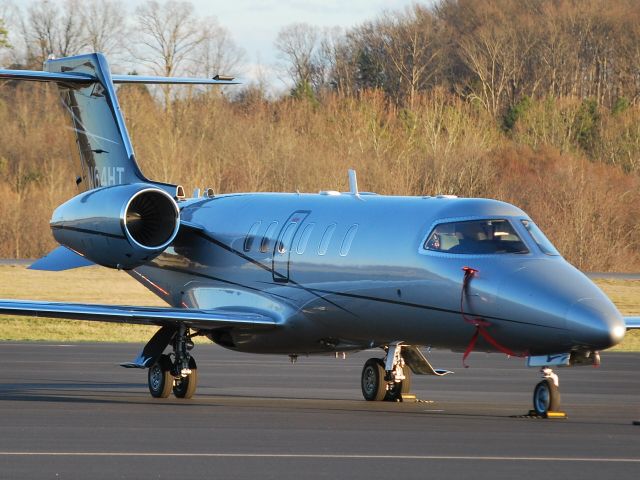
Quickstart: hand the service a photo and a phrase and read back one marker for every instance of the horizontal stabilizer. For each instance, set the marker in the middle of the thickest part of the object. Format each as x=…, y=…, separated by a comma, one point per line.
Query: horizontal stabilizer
x=632, y=322
x=38, y=76
x=85, y=79
x=170, y=80
x=60, y=259
x=199, y=319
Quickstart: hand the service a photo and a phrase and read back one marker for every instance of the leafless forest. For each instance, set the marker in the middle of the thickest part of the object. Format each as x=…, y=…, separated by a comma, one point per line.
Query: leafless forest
x=536, y=103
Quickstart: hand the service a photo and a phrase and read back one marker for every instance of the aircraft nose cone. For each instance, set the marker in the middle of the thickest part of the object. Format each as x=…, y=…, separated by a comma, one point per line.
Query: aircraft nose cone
x=595, y=324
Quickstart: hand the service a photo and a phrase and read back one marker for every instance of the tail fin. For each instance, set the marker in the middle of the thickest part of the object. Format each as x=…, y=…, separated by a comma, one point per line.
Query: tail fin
x=105, y=149
x=88, y=95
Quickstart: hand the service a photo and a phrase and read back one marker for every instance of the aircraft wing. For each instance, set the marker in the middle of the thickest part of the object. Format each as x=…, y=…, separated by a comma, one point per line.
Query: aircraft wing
x=199, y=319
x=632, y=322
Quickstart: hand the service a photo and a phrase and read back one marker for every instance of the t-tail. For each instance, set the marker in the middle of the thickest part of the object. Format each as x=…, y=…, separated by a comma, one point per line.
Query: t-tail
x=106, y=154
x=88, y=95
x=122, y=219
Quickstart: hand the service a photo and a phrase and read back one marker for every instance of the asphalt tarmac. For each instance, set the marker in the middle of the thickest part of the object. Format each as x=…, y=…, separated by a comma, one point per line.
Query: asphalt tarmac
x=70, y=412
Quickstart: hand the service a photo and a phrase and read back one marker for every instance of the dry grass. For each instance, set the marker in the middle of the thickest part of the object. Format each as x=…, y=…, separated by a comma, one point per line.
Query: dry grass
x=442, y=145
x=101, y=285
x=87, y=285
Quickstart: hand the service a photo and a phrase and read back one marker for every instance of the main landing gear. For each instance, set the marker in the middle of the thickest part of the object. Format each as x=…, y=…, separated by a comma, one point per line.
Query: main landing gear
x=176, y=371
x=388, y=379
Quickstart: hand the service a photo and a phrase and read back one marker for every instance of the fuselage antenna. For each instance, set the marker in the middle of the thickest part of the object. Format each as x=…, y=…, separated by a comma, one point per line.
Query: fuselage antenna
x=353, y=183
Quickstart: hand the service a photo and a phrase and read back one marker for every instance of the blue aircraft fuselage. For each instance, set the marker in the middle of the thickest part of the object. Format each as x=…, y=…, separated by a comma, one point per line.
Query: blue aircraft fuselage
x=345, y=272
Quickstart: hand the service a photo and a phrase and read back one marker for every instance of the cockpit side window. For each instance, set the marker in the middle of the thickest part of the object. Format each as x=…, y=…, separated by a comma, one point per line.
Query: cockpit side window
x=475, y=237
x=541, y=240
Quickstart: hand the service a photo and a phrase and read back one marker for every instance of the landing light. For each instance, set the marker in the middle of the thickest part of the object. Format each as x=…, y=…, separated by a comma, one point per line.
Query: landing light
x=619, y=332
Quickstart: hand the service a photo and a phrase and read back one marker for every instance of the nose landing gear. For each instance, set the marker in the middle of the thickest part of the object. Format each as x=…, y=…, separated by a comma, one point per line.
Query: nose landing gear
x=546, y=395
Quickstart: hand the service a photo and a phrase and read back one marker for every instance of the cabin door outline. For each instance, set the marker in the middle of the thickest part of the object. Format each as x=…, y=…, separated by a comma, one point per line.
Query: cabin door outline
x=287, y=237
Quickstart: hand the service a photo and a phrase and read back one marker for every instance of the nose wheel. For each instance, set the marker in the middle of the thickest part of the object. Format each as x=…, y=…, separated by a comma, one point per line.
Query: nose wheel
x=546, y=395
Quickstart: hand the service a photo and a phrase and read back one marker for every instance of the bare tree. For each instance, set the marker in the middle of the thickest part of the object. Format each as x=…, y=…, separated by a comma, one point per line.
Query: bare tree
x=298, y=45
x=39, y=30
x=493, y=41
x=328, y=58
x=362, y=62
x=412, y=50
x=218, y=53
x=168, y=34
x=106, y=26
x=401, y=53
x=48, y=29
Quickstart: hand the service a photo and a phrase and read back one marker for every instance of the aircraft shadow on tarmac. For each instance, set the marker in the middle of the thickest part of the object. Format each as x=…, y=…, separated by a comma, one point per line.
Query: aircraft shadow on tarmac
x=80, y=392
x=77, y=392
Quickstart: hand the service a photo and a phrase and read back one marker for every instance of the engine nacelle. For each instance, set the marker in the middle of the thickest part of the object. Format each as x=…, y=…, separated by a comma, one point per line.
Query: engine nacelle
x=122, y=226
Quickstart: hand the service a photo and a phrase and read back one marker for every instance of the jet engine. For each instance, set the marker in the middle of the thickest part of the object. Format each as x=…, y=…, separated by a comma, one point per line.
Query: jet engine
x=121, y=226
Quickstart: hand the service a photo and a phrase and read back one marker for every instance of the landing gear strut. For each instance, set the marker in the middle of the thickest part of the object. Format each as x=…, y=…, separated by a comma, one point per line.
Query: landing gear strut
x=386, y=379
x=176, y=371
x=546, y=395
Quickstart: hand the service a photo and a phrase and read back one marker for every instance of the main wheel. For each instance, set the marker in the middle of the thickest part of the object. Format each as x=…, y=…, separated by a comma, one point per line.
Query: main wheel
x=160, y=378
x=185, y=387
x=373, y=385
x=546, y=397
x=394, y=394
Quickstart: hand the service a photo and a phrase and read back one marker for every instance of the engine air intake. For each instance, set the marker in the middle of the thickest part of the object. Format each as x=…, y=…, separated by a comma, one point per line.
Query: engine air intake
x=150, y=218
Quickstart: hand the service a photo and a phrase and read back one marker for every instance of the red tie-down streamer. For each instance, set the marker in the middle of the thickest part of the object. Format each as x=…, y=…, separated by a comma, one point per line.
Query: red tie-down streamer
x=480, y=324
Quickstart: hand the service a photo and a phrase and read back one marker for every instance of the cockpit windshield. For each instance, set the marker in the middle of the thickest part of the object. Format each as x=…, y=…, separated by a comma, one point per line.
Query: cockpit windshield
x=541, y=240
x=476, y=237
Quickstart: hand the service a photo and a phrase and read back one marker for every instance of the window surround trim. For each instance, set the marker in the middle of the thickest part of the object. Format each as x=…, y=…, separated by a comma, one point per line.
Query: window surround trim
x=513, y=221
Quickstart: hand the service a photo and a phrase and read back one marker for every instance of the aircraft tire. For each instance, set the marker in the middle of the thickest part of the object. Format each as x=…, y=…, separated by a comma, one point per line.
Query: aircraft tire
x=394, y=394
x=160, y=379
x=546, y=397
x=374, y=387
x=186, y=387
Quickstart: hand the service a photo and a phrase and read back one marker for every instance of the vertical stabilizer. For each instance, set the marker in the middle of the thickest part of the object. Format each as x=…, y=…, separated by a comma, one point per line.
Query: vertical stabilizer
x=89, y=97
x=105, y=149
